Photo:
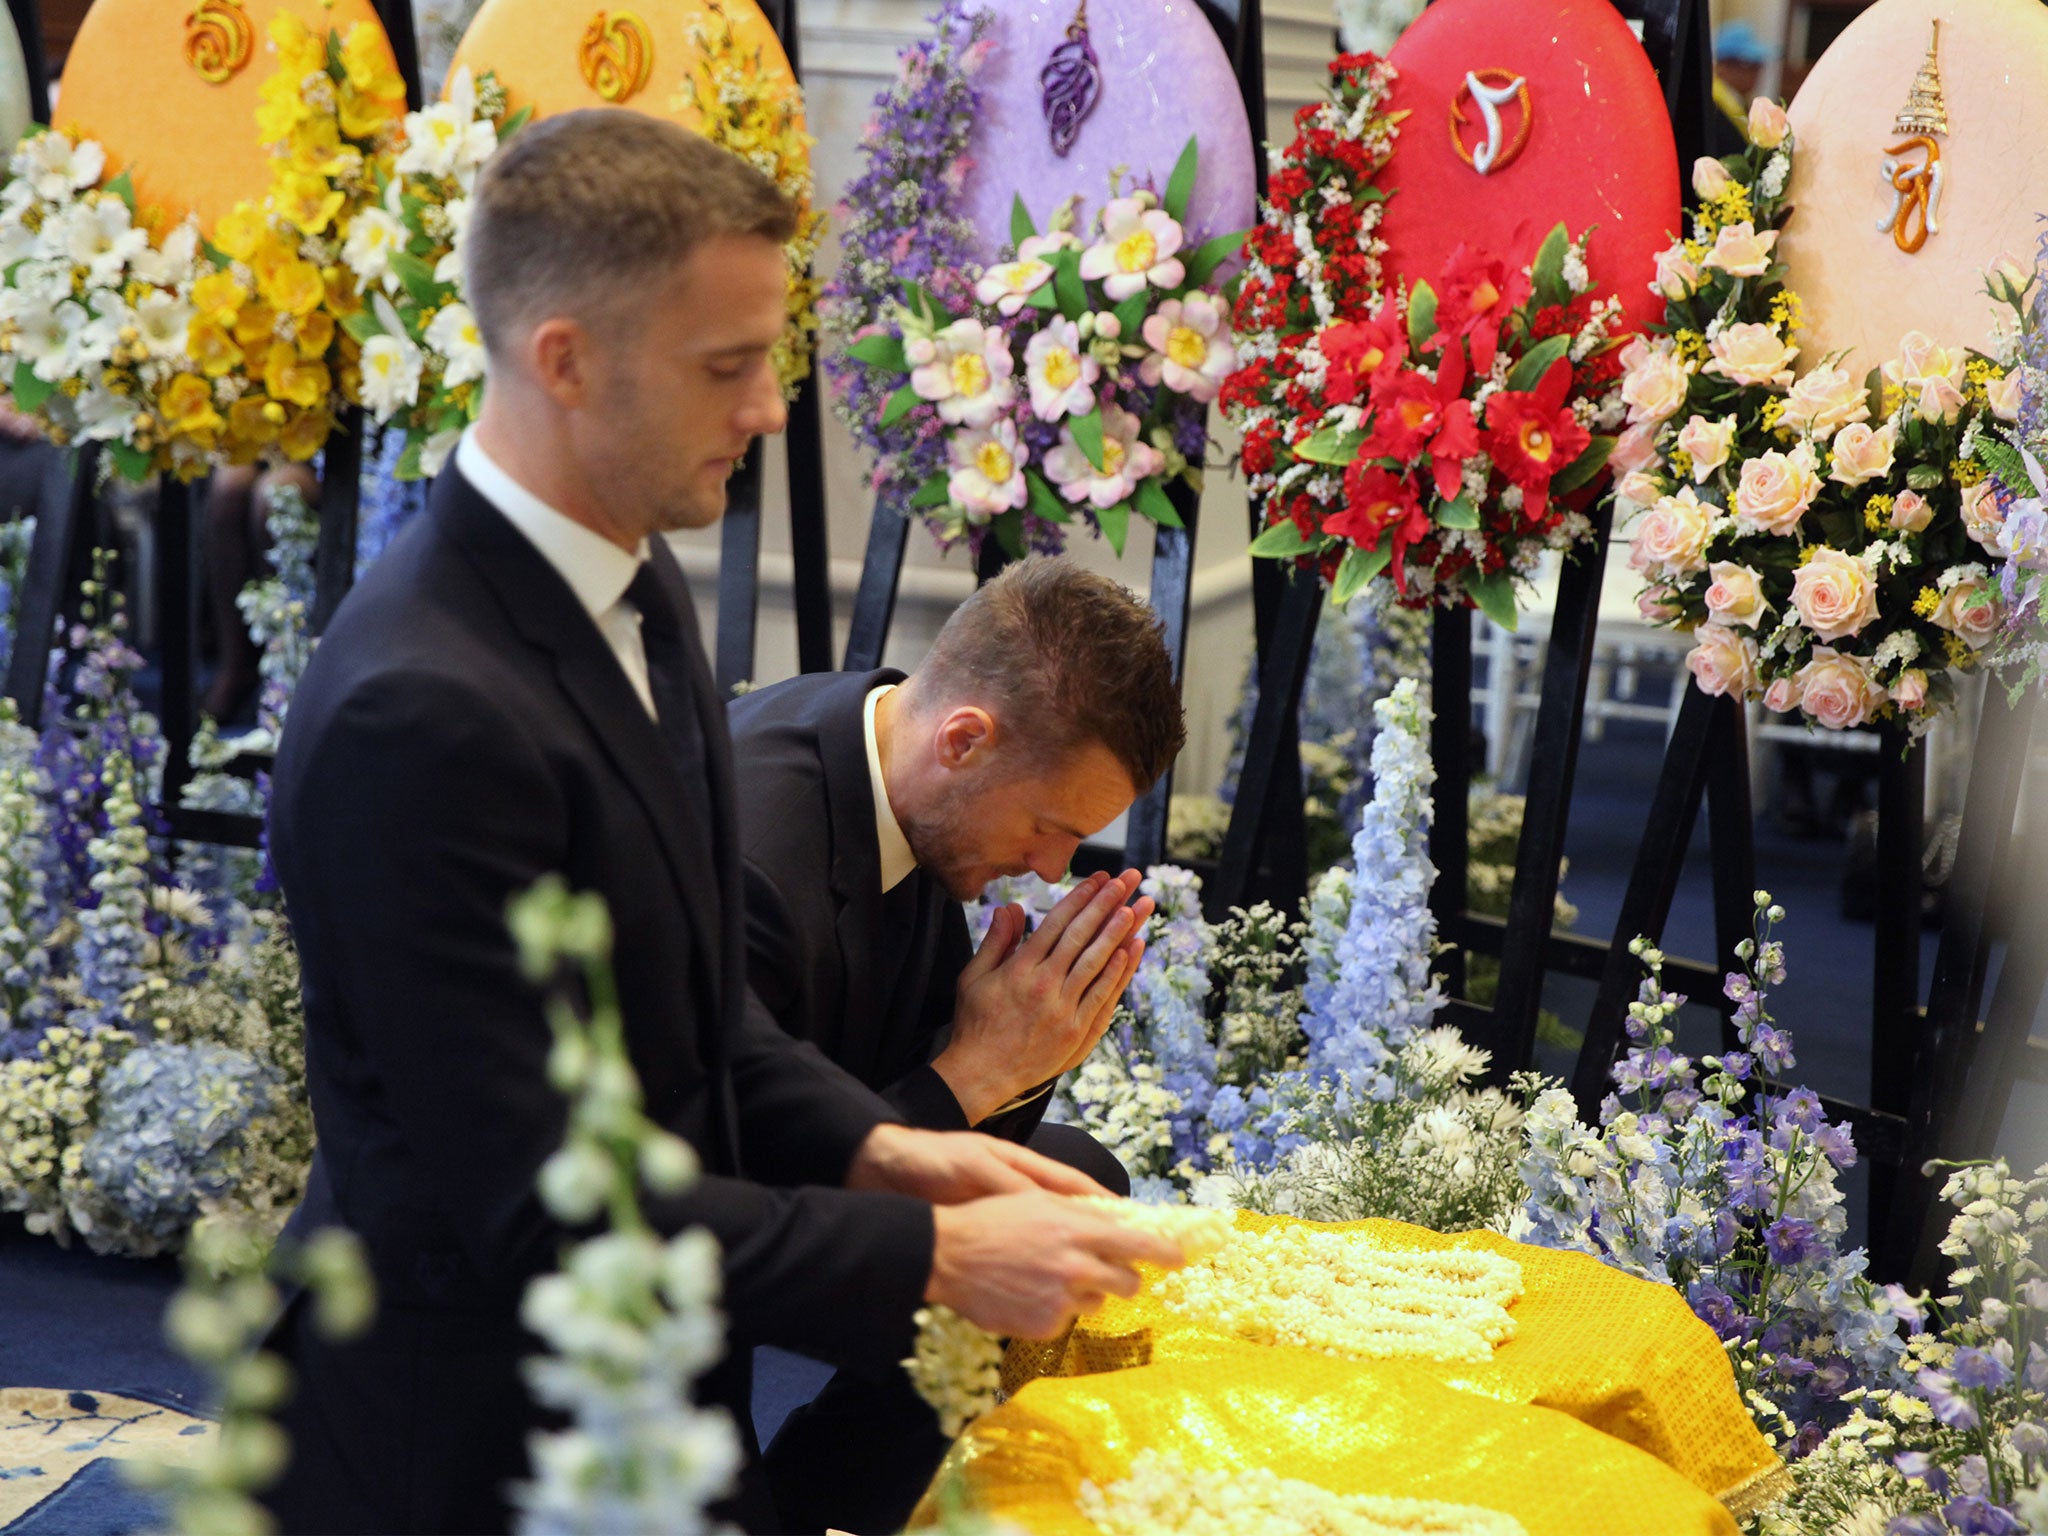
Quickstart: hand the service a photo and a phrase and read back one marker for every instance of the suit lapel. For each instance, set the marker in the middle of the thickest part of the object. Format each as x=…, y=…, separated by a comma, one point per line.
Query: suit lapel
x=856, y=861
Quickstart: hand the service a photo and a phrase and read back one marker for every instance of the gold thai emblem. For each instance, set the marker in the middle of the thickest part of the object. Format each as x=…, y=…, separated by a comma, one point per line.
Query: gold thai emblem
x=617, y=55
x=218, y=40
x=1494, y=92
x=1913, y=166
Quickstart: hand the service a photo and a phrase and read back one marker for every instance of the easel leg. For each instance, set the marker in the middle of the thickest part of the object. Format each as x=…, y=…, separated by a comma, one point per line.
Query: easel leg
x=1895, y=985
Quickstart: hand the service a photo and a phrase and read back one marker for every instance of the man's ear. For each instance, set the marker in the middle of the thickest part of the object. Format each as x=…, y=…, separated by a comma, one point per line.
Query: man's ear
x=560, y=354
x=965, y=737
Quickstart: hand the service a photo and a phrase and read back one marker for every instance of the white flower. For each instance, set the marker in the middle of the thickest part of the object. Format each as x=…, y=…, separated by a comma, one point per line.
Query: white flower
x=391, y=375
x=449, y=268
x=56, y=167
x=102, y=237
x=171, y=264
x=105, y=417
x=454, y=335
x=967, y=374
x=162, y=320
x=1137, y=247
x=374, y=236
x=1010, y=284
x=1060, y=372
x=988, y=470
x=48, y=338
x=435, y=451
x=446, y=139
x=1125, y=461
x=1191, y=347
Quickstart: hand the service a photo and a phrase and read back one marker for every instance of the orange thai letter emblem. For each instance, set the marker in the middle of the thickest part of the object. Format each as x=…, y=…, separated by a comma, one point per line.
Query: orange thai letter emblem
x=218, y=40
x=616, y=55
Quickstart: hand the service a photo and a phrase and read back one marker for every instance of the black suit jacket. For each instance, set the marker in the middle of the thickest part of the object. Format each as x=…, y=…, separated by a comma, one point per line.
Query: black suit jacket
x=868, y=979
x=462, y=730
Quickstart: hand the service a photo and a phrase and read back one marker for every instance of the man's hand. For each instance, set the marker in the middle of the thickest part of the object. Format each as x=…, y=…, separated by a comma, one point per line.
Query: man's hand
x=1030, y=1008
x=1024, y=1266
x=948, y=1167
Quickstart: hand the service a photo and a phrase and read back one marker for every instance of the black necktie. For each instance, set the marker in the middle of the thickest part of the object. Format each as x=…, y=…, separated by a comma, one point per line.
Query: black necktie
x=668, y=670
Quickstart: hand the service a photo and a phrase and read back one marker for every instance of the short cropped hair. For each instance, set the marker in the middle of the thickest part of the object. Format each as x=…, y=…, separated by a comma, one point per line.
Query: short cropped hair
x=1064, y=657
x=578, y=212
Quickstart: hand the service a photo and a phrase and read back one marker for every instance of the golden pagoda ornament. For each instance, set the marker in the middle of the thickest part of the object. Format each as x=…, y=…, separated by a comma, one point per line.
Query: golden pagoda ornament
x=1913, y=166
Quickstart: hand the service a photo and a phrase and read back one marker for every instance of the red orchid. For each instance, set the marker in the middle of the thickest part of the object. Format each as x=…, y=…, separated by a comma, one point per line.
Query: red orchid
x=1377, y=503
x=1532, y=435
x=1478, y=294
x=1411, y=413
x=1361, y=352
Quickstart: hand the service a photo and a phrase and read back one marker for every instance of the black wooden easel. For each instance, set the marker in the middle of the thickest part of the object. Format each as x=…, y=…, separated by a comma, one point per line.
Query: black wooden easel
x=739, y=565
x=1238, y=28
x=1263, y=854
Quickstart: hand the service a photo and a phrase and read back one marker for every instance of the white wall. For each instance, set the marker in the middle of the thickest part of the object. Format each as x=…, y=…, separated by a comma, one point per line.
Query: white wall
x=849, y=49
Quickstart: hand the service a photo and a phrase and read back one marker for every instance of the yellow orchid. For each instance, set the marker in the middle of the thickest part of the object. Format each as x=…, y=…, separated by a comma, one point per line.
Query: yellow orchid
x=212, y=348
x=364, y=116
x=293, y=286
x=309, y=202
x=240, y=231
x=366, y=60
x=186, y=406
x=254, y=420
x=219, y=296
x=300, y=50
x=255, y=324
x=306, y=434
x=316, y=334
x=294, y=379
x=313, y=147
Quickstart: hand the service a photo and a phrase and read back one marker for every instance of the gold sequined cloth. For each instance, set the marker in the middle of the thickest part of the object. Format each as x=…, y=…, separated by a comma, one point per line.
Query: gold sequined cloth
x=1611, y=1412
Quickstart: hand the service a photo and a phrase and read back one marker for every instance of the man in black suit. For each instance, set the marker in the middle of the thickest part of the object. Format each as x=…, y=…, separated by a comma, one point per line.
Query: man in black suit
x=518, y=689
x=871, y=806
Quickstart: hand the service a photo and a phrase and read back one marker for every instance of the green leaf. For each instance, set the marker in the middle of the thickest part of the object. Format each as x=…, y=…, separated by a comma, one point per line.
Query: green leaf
x=29, y=391
x=1115, y=523
x=1925, y=477
x=1180, y=186
x=1154, y=503
x=1873, y=384
x=1459, y=512
x=1494, y=596
x=1421, y=315
x=1330, y=446
x=409, y=459
x=362, y=325
x=1210, y=255
x=1042, y=298
x=130, y=463
x=2003, y=462
x=1536, y=362
x=898, y=406
x=1008, y=528
x=933, y=493
x=1130, y=315
x=1580, y=471
x=919, y=300
x=883, y=352
x=515, y=122
x=418, y=279
x=1358, y=568
x=1087, y=432
x=1045, y=502
x=1282, y=541
x=1548, y=273
x=1021, y=227
x=1067, y=286
x=123, y=187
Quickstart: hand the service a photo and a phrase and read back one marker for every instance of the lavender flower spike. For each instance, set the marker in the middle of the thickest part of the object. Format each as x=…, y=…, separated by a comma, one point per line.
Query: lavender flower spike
x=1072, y=83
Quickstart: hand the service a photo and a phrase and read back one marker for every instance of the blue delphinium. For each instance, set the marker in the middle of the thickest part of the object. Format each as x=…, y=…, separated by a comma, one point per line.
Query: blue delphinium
x=114, y=940
x=169, y=1137
x=386, y=504
x=1170, y=993
x=26, y=915
x=1724, y=1186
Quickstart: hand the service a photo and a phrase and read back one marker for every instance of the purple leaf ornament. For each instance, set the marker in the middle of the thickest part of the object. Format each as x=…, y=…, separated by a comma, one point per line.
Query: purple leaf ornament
x=1072, y=83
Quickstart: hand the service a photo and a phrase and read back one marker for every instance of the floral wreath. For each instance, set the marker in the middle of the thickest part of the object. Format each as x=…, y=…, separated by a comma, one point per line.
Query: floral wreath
x=1824, y=537
x=1434, y=431
x=1121, y=339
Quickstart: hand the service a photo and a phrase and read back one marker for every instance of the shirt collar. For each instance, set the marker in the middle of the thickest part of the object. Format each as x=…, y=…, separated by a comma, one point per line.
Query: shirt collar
x=897, y=859
x=596, y=569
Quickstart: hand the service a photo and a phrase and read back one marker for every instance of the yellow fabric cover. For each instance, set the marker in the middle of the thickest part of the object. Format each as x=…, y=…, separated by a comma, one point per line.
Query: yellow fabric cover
x=1612, y=1409
x=188, y=144
x=536, y=49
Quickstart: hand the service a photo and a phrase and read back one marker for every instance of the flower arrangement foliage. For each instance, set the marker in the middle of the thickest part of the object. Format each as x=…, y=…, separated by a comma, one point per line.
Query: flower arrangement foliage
x=630, y=1320
x=422, y=367
x=759, y=117
x=1435, y=431
x=1825, y=538
x=2012, y=461
x=1120, y=343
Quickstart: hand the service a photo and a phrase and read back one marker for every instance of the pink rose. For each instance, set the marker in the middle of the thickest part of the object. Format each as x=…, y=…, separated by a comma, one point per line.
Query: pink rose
x=1710, y=178
x=1932, y=374
x=1826, y=399
x=2003, y=395
x=1768, y=124
x=1939, y=400
x=1721, y=661
x=1678, y=276
x=1910, y=513
x=1833, y=594
x=1837, y=690
x=1635, y=449
x=1639, y=488
x=1970, y=609
x=1737, y=595
x=1862, y=454
x=1776, y=489
x=1752, y=353
x=1983, y=518
x=1655, y=386
x=2006, y=280
x=1671, y=537
x=1741, y=252
x=1708, y=442
x=1655, y=604
x=1910, y=691
x=1783, y=695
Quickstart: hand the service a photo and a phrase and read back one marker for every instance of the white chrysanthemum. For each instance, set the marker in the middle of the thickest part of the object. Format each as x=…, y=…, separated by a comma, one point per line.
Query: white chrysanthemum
x=374, y=237
x=391, y=375
x=446, y=139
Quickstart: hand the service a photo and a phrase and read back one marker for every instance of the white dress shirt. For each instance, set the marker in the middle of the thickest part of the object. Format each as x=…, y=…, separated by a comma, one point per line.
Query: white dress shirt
x=596, y=569
x=897, y=859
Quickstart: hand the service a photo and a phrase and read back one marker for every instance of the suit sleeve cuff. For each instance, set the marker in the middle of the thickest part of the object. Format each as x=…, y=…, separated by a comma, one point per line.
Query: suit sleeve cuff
x=925, y=1101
